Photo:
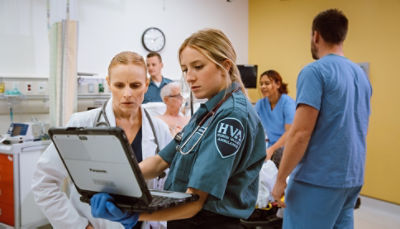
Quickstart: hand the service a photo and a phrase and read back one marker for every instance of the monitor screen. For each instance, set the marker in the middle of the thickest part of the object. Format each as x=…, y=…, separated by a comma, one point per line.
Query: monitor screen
x=249, y=75
x=17, y=129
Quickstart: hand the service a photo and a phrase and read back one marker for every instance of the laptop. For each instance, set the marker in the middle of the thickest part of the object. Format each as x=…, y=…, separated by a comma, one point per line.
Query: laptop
x=102, y=160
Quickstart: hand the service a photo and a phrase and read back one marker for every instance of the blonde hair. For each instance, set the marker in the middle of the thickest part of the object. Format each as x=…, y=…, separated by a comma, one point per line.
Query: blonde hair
x=126, y=57
x=216, y=46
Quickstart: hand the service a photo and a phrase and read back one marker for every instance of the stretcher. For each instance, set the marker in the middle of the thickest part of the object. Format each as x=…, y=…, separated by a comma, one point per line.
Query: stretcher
x=266, y=213
x=263, y=218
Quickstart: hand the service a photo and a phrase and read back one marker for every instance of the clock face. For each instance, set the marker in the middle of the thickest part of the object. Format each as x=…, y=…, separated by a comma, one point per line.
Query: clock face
x=153, y=39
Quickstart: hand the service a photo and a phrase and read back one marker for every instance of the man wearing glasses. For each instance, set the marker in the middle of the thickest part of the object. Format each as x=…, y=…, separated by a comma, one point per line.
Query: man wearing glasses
x=172, y=97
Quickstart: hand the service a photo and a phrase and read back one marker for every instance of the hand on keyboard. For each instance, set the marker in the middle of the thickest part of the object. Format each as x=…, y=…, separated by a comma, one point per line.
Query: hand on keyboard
x=103, y=207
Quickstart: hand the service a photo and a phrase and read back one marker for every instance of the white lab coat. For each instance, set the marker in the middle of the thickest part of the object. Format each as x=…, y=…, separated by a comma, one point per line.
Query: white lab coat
x=49, y=176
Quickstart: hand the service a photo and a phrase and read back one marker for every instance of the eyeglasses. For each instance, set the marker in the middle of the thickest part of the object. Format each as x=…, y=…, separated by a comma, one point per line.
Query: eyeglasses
x=179, y=96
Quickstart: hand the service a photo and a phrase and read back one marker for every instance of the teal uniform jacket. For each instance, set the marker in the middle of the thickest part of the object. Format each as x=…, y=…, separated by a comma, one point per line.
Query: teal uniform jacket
x=225, y=161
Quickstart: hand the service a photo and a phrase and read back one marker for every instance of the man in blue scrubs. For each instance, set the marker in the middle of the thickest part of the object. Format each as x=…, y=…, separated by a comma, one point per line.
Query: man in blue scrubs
x=326, y=145
x=157, y=81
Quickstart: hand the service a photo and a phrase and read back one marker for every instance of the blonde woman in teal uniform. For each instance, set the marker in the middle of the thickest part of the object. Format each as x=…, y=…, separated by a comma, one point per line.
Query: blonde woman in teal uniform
x=217, y=156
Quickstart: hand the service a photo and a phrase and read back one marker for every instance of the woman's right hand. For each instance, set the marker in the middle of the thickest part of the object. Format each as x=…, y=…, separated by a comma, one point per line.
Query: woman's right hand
x=270, y=152
x=102, y=206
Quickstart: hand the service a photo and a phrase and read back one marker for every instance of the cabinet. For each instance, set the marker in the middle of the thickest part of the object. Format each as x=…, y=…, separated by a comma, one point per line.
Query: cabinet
x=6, y=189
x=17, y=164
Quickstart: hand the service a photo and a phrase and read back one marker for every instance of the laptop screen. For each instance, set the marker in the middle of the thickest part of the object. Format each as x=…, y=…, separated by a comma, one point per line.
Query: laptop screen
x=98, y=163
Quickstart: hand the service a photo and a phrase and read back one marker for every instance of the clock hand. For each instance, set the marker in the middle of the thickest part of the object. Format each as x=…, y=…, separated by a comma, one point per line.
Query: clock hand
x=152, y=40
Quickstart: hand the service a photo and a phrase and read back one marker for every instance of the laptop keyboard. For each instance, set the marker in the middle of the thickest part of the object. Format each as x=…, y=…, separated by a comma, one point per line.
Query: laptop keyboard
x=159, y=201
x=164, y=201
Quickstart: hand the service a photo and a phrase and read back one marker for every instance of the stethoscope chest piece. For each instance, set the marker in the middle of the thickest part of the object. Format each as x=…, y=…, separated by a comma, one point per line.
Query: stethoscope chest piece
x=178, y=137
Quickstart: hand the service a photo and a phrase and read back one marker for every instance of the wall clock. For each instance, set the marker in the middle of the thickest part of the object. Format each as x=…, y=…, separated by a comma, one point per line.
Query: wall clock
x=153, y=39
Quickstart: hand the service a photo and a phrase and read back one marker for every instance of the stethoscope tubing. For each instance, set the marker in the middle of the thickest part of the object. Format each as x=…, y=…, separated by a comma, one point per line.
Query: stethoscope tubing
x=211, y=115
x=104, y=123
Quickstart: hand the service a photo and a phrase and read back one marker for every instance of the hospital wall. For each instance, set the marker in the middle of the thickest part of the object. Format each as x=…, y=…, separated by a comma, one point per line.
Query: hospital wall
x=108, y=27
x=104, y=29
x=279, y=38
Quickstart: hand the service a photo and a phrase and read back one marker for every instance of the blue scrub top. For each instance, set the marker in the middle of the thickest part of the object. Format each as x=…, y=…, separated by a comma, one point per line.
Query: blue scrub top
x=153, y=92
x=341, y=91
x=274, y=121
x=226, y=161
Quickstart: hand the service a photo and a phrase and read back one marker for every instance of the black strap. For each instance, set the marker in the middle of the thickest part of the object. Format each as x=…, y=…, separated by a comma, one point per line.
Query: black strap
x=152, y=128
x=214, y=110
x=163, y=174
x=178, y=136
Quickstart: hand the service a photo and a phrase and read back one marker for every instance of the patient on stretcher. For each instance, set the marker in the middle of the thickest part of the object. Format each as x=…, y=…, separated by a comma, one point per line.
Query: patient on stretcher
x=265, y=213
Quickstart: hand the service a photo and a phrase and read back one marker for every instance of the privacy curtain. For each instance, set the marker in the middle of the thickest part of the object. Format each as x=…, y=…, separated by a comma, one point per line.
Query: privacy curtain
x=63, y=71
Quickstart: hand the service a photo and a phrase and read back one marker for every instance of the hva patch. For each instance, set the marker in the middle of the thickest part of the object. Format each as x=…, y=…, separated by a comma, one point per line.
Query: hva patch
x=229, y=135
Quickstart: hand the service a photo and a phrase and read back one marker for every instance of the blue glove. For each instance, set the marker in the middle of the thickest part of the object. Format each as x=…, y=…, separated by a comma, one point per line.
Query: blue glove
x=103, y=207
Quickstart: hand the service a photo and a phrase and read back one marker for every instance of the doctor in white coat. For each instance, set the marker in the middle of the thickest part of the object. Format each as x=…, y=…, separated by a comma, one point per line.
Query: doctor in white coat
x=128, y=84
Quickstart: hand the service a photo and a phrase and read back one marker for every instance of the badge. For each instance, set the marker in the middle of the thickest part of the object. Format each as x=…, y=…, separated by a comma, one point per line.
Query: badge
x=229, y=135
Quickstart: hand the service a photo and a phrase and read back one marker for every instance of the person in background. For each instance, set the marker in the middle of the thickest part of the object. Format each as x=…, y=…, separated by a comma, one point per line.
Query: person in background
x=276, y=111
x=172, y=97
x=219, y=153
x=326, y=145
x=157, y=81
x=128, y=83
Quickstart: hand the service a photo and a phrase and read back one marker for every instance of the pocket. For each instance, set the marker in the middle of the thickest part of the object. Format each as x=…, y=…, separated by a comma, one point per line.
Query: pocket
x=186, y=155
x=182, y=166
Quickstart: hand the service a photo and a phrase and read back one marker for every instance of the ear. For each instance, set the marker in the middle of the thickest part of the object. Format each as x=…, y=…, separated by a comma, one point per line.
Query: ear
x=316, y=37
x=165, y=99
x=147, y=84
x=278, y=84
x=108, y=81
x=227, y=65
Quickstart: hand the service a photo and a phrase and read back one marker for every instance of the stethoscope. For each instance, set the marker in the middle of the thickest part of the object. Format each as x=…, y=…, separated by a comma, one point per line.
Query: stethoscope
x=99, y=123
x=97, y=120
x=211, y=113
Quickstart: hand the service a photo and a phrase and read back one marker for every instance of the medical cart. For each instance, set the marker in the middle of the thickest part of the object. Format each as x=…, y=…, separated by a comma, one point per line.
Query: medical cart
x=17, y=164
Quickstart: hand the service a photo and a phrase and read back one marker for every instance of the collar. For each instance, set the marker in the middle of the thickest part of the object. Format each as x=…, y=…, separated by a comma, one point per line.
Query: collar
x=210, y=104
x=162, y=81
x=110, y=113
x=111, y=116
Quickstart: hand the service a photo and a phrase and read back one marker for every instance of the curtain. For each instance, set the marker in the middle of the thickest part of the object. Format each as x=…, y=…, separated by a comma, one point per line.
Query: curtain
x=63, y=37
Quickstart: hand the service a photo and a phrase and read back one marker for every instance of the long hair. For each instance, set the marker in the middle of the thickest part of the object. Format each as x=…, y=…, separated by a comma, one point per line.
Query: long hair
x=216, y=46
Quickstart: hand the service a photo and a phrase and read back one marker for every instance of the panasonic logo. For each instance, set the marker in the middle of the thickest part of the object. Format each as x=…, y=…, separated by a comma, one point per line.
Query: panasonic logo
x=97, y=170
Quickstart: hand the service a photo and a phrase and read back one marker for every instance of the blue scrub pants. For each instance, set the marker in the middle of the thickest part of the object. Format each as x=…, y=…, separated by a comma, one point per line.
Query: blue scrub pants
x=309, y=206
